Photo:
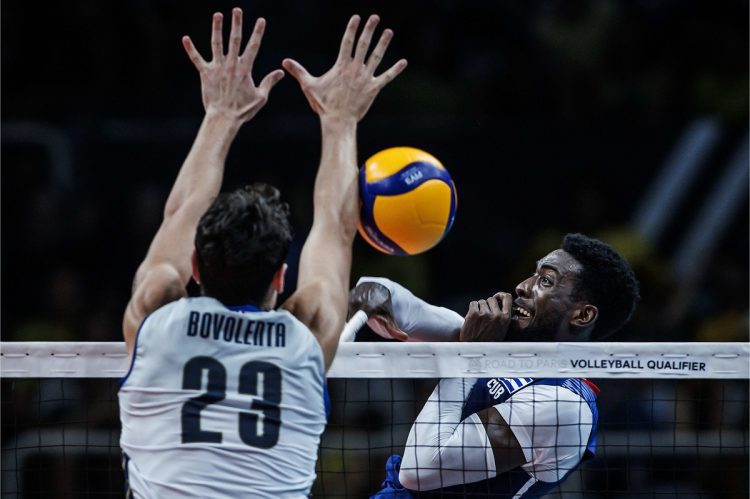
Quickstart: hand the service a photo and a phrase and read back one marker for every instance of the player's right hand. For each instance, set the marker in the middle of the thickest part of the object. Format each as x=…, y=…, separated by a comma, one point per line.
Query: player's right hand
x=375, y=300
x=488, y=320
x=227, y=85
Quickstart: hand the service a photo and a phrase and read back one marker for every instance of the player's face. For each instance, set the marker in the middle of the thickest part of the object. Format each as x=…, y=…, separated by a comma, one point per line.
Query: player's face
x=541, y=311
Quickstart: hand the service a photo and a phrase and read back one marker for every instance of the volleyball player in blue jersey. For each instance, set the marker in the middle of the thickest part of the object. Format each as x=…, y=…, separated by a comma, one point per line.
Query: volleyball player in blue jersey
x=505, y=437
x=225, y=396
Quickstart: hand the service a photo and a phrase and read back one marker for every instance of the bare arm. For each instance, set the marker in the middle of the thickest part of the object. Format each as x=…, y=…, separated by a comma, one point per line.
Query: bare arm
x=341, y=97
x=230, y=99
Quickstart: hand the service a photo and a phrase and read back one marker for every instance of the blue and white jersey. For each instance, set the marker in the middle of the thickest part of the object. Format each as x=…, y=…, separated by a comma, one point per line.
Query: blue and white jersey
x=554, y=421
x=222, y=402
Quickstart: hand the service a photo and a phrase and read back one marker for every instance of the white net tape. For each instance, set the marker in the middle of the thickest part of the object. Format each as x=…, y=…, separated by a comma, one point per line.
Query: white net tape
x=428, y=360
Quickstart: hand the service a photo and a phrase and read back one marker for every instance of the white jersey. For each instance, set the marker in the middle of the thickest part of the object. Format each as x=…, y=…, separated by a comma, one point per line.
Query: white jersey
x=222, y=402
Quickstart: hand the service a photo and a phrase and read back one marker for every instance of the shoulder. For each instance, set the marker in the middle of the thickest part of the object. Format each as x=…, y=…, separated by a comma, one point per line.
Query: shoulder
x=317, y=306
x=158, y=318
x=158, y=285
x=290, y=317
x=313, y=306
x=155, y=287
x=306, y=299
x=311, y=345
x=182, y=305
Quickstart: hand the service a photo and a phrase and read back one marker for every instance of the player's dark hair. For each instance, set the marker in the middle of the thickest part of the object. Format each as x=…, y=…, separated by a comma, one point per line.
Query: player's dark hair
x=606, y=281
x=241, y=241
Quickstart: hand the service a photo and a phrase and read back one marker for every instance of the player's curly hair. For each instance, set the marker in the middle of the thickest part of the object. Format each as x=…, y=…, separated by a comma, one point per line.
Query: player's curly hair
x=607, y=281
x=241, y=241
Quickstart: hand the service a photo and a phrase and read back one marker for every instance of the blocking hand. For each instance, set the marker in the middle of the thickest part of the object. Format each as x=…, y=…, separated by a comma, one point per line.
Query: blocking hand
x=375, y=300
x=227, y=84
x=349, y=88
x=488, y=320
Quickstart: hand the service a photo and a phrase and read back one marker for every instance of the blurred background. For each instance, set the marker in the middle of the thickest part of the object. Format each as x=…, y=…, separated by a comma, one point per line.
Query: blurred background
x=626, y=120
x=621, y=119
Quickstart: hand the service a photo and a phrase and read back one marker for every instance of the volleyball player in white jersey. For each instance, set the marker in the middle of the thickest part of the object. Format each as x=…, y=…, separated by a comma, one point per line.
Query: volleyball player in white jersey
x=505, y=437
x=225, y=395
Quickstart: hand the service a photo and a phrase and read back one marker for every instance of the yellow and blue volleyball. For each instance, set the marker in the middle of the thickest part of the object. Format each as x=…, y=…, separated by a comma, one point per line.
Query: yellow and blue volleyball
x=407, y=201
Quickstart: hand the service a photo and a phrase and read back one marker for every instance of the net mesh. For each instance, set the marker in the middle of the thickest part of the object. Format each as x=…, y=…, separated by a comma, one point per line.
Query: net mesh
x=656, y=438
x=681, y=438
x=60, y=438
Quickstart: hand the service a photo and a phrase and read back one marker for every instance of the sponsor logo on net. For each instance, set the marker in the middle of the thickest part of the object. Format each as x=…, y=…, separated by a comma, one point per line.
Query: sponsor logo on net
x=531, y=363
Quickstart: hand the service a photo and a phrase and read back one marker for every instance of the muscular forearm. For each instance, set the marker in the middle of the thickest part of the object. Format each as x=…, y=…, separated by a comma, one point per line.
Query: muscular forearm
x=341, y=97
x=442, y=450
x=325, y=262
x=200, y=176
x=195, y=188
x=417, y=318
x=335, y=204
x=335, y=195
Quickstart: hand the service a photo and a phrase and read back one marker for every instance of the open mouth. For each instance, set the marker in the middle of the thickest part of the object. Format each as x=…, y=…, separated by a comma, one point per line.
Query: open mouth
x=520, y=313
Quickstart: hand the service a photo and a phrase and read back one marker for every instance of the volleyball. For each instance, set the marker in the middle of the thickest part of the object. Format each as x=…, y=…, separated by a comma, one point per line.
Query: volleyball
x=407, y=201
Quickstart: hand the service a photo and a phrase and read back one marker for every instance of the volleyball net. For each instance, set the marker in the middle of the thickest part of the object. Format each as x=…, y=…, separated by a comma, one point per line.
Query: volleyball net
x=672, y=417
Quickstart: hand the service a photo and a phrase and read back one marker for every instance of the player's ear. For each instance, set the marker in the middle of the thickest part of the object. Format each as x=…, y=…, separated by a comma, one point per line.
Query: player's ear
x=584, y=316
x=277, y=283
x=194, y=267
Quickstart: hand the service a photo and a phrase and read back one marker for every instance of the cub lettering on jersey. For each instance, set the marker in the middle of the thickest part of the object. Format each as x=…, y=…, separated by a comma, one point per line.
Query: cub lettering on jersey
x=499, y=387
x=487, y=392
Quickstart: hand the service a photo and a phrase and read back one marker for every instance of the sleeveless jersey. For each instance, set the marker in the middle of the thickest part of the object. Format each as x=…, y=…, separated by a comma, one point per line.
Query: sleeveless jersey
x=222, y=402
x=516, y=483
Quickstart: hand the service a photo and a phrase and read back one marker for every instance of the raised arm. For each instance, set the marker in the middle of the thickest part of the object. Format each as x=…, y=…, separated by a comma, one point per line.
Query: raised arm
x=230, y=98
x=341, y=97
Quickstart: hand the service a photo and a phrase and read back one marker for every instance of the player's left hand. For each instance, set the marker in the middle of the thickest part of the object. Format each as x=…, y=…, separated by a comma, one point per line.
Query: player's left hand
x=488, y=320
x=348, y=89
x=227, y=85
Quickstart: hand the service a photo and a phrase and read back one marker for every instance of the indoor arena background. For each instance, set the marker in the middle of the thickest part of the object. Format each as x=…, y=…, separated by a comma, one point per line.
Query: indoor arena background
x=625, y=120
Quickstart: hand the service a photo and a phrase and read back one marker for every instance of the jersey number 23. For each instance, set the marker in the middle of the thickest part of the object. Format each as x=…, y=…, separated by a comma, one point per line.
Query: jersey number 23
x=192, y=375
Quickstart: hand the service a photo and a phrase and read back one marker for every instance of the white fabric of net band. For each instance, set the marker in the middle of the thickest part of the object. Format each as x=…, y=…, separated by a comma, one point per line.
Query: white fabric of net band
x=706, y=360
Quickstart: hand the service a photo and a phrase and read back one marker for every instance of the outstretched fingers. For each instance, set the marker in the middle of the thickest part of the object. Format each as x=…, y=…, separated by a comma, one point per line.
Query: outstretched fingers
x=217, y=42
x=295, y=69
x=364, y=39
x=270, y=81
x=379, y=51
x=347, y=42
x=235, y=35
x=253, y=44
x=193, y=53
x=392, y=72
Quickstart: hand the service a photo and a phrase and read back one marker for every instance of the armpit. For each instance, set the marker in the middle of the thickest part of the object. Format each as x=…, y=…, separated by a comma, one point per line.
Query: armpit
x=505, y=447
